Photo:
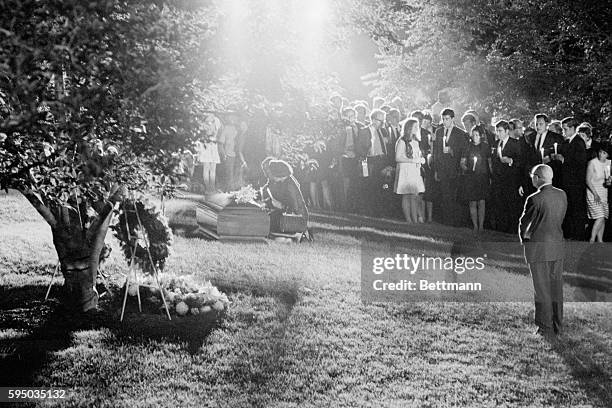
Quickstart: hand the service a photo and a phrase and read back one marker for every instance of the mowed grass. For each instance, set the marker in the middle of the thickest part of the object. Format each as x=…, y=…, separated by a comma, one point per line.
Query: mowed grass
x=298, y=334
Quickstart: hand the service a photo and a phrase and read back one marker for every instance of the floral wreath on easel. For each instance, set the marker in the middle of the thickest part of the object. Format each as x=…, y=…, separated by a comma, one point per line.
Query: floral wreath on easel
x=144, y=235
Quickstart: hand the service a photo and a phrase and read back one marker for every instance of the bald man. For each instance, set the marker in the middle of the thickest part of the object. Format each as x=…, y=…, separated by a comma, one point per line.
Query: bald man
x=541, y=233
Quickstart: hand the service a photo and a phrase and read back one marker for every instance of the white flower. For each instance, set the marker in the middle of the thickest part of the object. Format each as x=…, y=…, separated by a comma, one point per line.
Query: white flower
x=133, y=289
x=182, y=308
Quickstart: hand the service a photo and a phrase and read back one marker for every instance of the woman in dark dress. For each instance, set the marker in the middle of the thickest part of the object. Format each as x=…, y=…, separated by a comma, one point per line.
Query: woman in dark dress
x=476, y=166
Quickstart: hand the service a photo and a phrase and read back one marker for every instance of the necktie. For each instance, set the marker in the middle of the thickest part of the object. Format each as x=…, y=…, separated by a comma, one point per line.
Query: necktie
x=446, y=136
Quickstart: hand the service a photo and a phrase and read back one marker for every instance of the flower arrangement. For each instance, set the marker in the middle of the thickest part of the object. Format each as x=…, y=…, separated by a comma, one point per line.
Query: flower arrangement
x=246, y=195
x=184, y=297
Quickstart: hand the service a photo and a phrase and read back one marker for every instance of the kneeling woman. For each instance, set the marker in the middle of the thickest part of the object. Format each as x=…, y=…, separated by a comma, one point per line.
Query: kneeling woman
x=284, y=197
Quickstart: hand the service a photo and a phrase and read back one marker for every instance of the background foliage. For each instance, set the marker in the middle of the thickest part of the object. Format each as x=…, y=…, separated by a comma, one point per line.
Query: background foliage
x=506, y=57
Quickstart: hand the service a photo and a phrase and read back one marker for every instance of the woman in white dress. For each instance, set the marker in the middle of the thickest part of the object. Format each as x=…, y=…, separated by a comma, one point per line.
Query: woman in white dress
x=208, y=152
x=408, y=180
x=598, y=180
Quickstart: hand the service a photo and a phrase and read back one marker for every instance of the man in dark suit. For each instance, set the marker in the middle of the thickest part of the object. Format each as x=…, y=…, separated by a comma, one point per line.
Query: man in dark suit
x=372, y=147
x=546, y=144
x=541, y=233
x=573, y=158
x=447, y=149
x=394, y=132
x=392, y=205
x=347, y=159
x=527, y=143
x=506, y=179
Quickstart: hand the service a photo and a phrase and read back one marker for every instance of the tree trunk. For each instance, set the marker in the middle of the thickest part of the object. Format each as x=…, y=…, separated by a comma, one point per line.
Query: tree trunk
x=78, y=241
x=78, y=250
x=79, y=264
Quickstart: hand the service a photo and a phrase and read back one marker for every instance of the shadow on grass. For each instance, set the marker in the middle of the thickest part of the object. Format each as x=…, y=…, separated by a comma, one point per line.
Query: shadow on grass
x=286, y=292
x=579, y=351
x=508, y=255
x=42, y=328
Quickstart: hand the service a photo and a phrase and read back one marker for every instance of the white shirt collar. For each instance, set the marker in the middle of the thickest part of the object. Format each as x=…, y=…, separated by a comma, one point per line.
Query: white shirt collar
x=544, y=185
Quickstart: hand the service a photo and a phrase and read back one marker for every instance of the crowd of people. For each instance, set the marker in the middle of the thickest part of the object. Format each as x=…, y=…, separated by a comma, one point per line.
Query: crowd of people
x=425, y=165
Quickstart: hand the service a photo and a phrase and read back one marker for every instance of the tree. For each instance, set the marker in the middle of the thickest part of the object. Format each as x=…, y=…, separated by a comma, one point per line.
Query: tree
x=513, y=57
x=95, y=97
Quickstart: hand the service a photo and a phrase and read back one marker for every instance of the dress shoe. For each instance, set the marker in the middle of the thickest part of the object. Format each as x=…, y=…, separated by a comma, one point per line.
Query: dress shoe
x=547, y=334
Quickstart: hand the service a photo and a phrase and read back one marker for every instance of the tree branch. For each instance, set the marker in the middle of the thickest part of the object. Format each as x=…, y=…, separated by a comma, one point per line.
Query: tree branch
x=37, y=203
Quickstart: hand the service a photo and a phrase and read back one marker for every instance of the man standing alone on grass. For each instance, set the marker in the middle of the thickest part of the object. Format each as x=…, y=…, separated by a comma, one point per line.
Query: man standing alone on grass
x=541, y=233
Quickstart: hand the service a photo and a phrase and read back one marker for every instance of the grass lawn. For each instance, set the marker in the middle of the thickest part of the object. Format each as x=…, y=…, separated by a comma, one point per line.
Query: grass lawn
x=297, y=333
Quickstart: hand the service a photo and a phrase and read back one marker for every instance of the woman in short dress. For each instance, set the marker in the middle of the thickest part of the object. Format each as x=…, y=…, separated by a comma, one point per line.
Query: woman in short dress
x=408, y=180
x=476, y=165
x=208, y=153
x=598, y=180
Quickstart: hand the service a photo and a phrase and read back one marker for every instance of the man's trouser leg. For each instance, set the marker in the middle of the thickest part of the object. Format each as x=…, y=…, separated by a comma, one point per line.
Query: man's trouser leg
x=542, y=295
x=556, y=281
x=448, y=200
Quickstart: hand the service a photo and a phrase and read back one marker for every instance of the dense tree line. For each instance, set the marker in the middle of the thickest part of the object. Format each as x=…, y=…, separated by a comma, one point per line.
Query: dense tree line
x=511, y=57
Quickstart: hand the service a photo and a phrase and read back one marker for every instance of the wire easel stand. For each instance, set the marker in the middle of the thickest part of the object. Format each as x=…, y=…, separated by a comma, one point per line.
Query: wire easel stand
x=132, y=270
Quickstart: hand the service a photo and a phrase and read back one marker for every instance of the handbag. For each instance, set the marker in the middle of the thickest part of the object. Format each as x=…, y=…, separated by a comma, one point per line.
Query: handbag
x=292, y=223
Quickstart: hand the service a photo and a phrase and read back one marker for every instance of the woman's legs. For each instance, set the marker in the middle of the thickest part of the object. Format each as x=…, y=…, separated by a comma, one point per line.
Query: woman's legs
x=422, y=209
x=346, y=185
x=420, y=204
x=600, y=234
x=206, y=176
x=414, y=208
x=314, y=195
x=474, y=214
x=597, y=231
x=429, y=205
x=327, y=199
x=406, y=207
x=211, y=185
x=481, y=214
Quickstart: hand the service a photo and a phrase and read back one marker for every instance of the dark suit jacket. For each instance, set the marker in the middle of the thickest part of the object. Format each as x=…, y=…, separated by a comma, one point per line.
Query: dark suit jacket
x=365, y=141
x=549, y=144
x=502, y=172
x=529, y=160
x=393, y=136
x=341, y=140
x=447, y=165
x=424, y=143
x=549, y=149
x=573, y=169
x=540, y=228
